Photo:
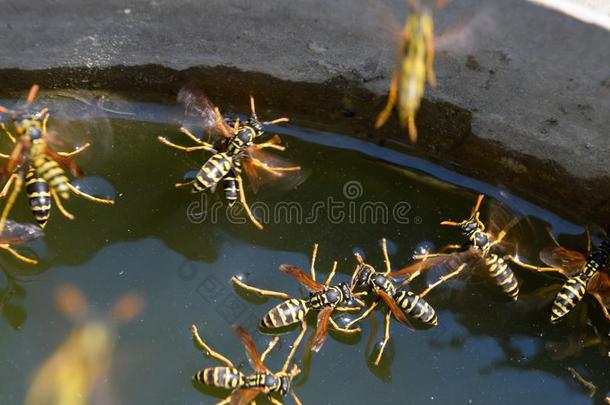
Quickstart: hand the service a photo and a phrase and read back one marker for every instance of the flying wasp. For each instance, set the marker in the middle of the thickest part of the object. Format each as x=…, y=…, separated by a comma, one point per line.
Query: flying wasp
x=46, y=168
x=323, y=298
x=480, y=247
x=586, y=273
x=416, y=57
x=399, y=302
x=233, y=149
x=245, y=388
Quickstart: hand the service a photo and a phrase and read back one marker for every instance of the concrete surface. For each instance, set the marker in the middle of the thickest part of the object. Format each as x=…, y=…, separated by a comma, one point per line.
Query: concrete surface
x=536, y=81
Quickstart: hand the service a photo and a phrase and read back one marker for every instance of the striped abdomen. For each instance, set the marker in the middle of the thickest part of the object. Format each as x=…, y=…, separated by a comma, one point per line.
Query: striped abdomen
x=572, y=292
x=212, y=172
x=223, y=377
x=48, y=169
x=502, y=274
x=39, y=197
x=287, y=313
x=416, y=307
x=230, y=187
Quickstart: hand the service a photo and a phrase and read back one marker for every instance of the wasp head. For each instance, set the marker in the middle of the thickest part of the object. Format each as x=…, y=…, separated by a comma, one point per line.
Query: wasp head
x=346, y=291
x=469, y=226
x=362, y=275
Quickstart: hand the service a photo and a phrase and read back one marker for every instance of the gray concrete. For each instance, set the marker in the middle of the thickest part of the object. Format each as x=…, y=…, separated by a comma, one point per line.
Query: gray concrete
x=537, y=81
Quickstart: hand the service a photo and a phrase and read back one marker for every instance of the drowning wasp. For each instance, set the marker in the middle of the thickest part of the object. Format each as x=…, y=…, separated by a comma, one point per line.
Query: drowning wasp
x=234, y=150
x=416, y=57
x=480, y=247
x=247, y=387
x=585, y=273
x=399, y=301
x=15, y=233
x=323, y=298
x=45, y=168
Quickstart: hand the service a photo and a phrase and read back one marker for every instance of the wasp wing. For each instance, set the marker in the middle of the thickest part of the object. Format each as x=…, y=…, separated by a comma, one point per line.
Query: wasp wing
x=207, y=116
x=599, y=287
x=568, y=262
x=302, y=278
x=321, y=329
x=245, y=396
x=396, y=311
x=15, y=233
x=248, y=342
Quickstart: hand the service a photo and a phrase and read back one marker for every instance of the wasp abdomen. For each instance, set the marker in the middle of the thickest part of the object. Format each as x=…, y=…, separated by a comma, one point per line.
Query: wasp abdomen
x=212, y=172
x=568, y=296
x=416, y=306
x=223, y=377
x=503, y=275
x=52, y=173
x=39, y=197
x=231, y=187
x=286, y=313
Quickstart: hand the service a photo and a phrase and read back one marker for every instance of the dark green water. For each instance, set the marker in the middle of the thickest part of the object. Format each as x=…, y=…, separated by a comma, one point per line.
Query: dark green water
x=485, y=349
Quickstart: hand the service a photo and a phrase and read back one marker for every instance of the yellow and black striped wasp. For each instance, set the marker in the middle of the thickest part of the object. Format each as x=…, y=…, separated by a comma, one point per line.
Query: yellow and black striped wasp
x=480, y=248
x=232, y=147
x=44, y=168
x=586, y=273
x=399, y=302
x=323, y=298
x=15, y=233
x=246, y=387
x=415, y=59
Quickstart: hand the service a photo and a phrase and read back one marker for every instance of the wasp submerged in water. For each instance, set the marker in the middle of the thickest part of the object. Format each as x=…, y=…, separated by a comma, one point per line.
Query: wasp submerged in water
x=234, y=150
x=246, y=387
x=323, y=298
x=586, y=273
x=415, y=58
x=44, y=168
x=399, y=302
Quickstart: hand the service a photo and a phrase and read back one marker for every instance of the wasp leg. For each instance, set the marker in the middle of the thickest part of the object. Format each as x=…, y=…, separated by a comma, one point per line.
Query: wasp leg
x=88, y=196
x=273, y=143
x=11, y=199
x=270, y=347
x=386, y=257
x=18, y=255
x=225, y=401
x=45, y=120
x=502, y=234
x=194, y=138
x=208, y=350
x=387, y=110
x=443, y=279
x=242, y=199
x=277, y=171
x=312, y=268
x=338, y=328
x=410, y=278
x=429, y=41
x=8, y=184
x=386, y=337
x=363, y=315
x=75, y=151
x=295, y=346
x=185, y=184
x=7, y=132
x=60, y=206
x=206, y=147
x=531, y=267
x=274, y=401
x=264, y=293
x=347, y=309
x=331, y=274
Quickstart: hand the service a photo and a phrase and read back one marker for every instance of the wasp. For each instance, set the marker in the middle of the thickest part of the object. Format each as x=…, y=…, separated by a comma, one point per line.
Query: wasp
x=399, y=301
x=74, y=373
x=15, y=233
x=46, y=168
x=245, y=388
x=480, y=247
x=235, y=150
x=323, y=298
x=585, y=273
x=416, y=58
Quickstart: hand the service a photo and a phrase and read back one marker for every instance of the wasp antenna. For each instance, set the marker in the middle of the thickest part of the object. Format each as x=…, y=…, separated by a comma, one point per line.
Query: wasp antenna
x=3, y=109
x=32, y=94
x=252, y=107
x=476, y=207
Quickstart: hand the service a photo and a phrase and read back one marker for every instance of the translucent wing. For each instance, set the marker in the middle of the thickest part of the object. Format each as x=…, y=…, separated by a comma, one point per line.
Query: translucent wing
x=321, y=330
x=396, y=311
x=202, y=112
x=15, y=233
x=599, y=288
x=501, y=221
x=303, y=278
x=248, y=342
x=263, y=167
x=570, y=261
x=245, y=396
x=424, y=264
